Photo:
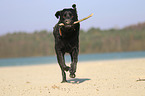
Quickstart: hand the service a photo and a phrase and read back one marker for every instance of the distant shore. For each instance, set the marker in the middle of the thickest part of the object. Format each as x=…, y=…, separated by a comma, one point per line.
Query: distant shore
x=24, y=61
x=124, y=77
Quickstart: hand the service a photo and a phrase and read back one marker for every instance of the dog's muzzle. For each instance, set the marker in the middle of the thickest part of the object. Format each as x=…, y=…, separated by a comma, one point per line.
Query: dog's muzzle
x=67, y=26
x=67, y=21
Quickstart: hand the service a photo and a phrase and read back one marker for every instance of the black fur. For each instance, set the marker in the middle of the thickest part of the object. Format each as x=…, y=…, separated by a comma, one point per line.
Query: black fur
x=67, y=41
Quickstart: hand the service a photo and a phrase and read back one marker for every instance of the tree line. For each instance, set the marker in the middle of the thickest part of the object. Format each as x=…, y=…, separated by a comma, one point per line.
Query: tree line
x=94, y=40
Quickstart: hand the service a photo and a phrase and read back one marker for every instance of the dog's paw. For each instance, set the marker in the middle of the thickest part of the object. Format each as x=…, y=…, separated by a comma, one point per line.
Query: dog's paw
x=64, y=81
x=72, y=75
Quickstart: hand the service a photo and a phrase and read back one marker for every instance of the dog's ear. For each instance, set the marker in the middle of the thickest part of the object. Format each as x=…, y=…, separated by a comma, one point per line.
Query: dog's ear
x=74, y=6
x=57, y=14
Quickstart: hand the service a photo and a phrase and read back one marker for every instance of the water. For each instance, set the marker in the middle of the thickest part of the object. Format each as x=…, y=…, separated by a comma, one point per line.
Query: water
x=86, y=57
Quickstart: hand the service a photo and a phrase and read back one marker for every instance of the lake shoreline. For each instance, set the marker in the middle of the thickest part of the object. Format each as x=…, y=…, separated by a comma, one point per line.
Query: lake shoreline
x=82, y=58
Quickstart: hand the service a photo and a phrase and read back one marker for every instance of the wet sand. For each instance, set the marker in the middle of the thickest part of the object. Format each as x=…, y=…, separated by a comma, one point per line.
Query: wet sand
x=97, y=78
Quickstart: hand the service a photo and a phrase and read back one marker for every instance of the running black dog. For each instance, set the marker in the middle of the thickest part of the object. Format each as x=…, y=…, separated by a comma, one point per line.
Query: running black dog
x=67, y=40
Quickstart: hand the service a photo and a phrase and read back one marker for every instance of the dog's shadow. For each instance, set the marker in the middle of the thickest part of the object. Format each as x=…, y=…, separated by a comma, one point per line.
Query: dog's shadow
x=78, y=80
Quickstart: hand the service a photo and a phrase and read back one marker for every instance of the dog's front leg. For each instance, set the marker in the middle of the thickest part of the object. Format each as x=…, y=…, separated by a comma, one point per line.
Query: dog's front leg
x=61, y=61
x=74, y=59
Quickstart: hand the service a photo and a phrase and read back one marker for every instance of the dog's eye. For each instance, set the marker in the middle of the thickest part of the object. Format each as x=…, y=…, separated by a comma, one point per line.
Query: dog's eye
x=71, y=15
x=64, y=15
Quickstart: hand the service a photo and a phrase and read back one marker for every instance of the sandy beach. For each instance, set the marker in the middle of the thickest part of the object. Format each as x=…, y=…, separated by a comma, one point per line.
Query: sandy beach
x=97, y=78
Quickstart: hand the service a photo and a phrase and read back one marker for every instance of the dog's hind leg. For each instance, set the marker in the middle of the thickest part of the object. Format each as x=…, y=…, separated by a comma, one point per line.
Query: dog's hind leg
x=61, y=61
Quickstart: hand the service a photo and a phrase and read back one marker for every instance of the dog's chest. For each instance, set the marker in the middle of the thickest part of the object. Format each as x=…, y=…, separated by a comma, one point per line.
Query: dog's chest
x=67, y=46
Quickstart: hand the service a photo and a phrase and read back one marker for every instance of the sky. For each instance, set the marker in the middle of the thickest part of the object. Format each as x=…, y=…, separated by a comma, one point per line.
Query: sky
x=36, y=15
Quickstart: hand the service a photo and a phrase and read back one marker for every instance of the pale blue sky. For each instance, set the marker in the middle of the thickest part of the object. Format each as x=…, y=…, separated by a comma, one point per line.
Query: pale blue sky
x=31, y=15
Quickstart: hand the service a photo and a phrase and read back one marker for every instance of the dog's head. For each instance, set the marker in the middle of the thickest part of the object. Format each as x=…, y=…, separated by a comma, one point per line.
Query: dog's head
x=67, y=16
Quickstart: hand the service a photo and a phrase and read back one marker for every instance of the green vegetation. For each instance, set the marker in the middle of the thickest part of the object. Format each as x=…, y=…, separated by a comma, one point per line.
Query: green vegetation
x=41, y=43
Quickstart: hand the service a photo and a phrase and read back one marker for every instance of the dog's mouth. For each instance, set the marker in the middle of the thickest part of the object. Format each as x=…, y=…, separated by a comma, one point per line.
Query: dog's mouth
x=61, y=24
x=68, y=23
x=67, y=26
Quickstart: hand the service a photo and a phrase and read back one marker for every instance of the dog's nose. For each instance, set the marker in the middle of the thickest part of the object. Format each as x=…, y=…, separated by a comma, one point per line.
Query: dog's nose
x=67, y=21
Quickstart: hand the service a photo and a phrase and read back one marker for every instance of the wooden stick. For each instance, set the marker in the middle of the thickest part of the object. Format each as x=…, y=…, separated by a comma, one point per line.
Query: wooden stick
x=83, y=19
x=61, y=24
